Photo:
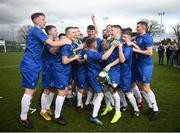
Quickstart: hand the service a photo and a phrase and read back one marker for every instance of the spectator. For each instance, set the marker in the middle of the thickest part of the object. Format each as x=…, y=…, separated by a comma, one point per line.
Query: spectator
x=161, y=54
x=168, y=53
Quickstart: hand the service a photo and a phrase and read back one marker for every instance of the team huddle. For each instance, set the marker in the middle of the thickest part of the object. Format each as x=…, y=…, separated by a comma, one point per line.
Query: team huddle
x=116, y=69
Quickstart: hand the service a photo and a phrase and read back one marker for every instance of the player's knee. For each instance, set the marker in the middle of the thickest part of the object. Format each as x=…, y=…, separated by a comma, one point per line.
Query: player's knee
x=30, y=91
x=101, y=95
x=46, y=91
x=81, y=91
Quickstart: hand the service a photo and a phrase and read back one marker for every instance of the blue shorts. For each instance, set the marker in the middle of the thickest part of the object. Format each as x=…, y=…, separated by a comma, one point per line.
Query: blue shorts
x=74, y=69
x=47, y=77
x=114, y=74
x=94, y=84
x=134, y=73
x=61, y=81
x=29, y=79
x=144, y=73
x=126, y=82
x=82, y=81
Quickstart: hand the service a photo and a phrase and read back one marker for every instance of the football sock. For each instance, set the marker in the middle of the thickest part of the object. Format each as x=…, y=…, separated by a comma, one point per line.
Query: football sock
x=152, y=100
x=123, y=98
x=117, y=102
x=107, y=101
x=89, y=96
x=79, y=99
x=132, y=100
x=94, y=98
x=137, y=93
x=58, y=106
x=146, y=97
x=97, y=105
x=49, y=100
x=44, y=98
x=25, y=104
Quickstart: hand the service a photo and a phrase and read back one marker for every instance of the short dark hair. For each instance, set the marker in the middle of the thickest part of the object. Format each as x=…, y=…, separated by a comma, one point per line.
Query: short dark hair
x=108, y=25
x=127, y=32
x=61, y=34
x=37, y=14
x=76, y=27
x=142, y=23
x=48, y=28
x=104, y=30
x=90, y=41
x=67, y=29
x=91, y=27
x=117, y=26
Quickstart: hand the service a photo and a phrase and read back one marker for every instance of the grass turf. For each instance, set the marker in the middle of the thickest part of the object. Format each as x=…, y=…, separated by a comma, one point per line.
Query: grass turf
x=165, y=83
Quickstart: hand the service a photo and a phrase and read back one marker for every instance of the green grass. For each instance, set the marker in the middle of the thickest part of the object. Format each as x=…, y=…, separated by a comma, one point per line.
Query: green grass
x=165, y=83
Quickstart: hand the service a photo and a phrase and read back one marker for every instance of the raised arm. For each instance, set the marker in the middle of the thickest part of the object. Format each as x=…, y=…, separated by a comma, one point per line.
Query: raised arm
x=94, y=23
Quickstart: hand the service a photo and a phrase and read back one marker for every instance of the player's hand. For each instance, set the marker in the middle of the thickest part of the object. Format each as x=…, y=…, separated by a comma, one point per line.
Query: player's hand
x=120, y=45
x=107, y=68
x=115, y=43
x=129, y=43
x=93, y=17
x=81, y=46
x=77, y=56
x=85, y=56
x=67, y=41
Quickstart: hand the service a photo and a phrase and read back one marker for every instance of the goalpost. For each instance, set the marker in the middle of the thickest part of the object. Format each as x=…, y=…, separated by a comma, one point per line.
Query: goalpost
x=2, y=43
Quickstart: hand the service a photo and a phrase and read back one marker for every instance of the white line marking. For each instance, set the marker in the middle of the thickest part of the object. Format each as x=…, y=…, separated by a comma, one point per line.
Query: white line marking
x=1, y=97
x=3, y=67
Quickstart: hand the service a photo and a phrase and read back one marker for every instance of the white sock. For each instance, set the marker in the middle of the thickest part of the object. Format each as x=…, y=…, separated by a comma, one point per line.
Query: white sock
x=111, y=98
x=146, y=97
x=89, y=96
x=79, y=99
x=132, y=100
x=137, y=93
x=107, y=101
x=58, y=106
x=117, y=102
x=123, y=98
x=44, y=98
x=49, y=100
x=152, y=100
x=97, y=105
x=94, y=98
x=25, y=104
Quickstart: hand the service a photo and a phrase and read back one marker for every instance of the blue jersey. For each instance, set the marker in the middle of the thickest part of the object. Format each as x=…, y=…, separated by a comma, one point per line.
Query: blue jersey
x=99, y=44
x=115, y=53
x=47, y=57
x=126, y=66
x=32, y=59
x=67, y=51
x=93, y=63
x=144, y=41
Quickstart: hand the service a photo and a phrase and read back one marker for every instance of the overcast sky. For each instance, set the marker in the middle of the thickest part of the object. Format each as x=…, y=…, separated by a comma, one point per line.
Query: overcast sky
x=62, y=13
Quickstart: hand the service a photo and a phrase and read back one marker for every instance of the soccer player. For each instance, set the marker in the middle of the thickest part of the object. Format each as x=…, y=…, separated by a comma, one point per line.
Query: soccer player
x=145, y=68
x=48, y=56
x=81, y=70
x=114, y=74
x=125, y=58
x=63, y=74
x=31, y=63
x=93, y=67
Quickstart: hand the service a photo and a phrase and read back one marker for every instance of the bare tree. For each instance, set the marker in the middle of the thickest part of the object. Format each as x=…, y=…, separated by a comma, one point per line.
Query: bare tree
x=154, y=27
x=176, y=29
x=23, y=33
